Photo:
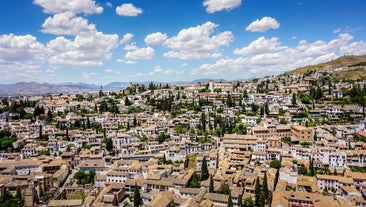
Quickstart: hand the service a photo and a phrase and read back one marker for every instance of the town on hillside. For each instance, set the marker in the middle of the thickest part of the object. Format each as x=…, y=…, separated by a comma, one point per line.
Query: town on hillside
x=287, y=140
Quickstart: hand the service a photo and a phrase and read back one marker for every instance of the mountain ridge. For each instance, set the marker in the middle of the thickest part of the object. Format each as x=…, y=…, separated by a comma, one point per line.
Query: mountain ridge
x=349, y=67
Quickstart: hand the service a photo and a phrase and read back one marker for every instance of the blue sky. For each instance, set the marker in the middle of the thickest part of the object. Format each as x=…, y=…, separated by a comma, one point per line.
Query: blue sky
x=102, y=41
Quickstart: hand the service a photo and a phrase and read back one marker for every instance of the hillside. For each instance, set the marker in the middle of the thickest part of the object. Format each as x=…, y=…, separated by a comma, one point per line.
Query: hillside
x=345, y=67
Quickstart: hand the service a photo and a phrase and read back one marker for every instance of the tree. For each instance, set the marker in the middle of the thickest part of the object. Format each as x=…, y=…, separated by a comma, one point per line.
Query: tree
x=194, y=181
x=302, y=170
x=275, y=164
x=204, y=170
x=211, y=187
x=230, y=201
x=248, y=202
x=265, y=186
x=108, y=144
x=293, y=100
x=257, y=191
x=224, y=188
x=311, y=167
x=262, y=199
x=40, y=132
x=203, y=121
x=136, y=197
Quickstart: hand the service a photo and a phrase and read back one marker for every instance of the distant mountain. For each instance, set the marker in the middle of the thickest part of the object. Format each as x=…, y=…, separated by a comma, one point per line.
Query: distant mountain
x=33, y=88
x=344, y=63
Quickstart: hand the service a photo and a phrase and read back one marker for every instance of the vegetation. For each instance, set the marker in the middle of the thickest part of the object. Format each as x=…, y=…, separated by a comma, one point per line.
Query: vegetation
x=8, y=200
x=136, y=197
x=7, y=140
x=204, y=170
x=224, y=188
x=84, y=178
x=275, y=164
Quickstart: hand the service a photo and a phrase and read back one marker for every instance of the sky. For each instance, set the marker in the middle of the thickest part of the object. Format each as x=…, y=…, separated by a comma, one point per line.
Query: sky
x=104, y=41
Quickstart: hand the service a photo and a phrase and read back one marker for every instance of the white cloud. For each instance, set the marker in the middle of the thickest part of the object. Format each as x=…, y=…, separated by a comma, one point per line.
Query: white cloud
x=88, y=75
x=74, y=6
x=216, y=55
x=137, y=75
x=159, y=70
x=21, y=52
x=109, y=4
x=131, y=46
x=268, y=56
x=128, y=62
x=197, y=42
x=218, y=5
x=109, y=71
x=67, y=24
x=140, y=54
x=128, y=10
x=263, y=25
x=126, y=38
x=261, y=45
x=84, y=50
x=156, y=38
x=338, y=30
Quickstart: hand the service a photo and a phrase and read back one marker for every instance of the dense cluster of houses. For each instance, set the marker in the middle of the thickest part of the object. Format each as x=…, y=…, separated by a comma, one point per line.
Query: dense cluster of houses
x=43, y=170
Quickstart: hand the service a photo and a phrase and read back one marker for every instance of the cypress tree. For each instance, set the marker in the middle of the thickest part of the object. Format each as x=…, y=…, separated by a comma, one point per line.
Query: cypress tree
x=230, y=201
x=204, y=170
x=262, y=199
x=265, y=186
x=257, y=190
x=136, y=197
x=211, y=187
x=311, y=167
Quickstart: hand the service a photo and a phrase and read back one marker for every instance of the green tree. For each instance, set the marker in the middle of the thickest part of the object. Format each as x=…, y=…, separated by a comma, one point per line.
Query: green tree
x=265, y=186
x=230, y=201
x=136, y=197
x=293, y=100
x=224, y=188
x=257, y=191
x=262, y=199
x=311, y=167
x=108, y=144
x=302, y=170
x=211, y=187
x=275, y=164
x=194, y=181
x=204, y=169
x=248, y=202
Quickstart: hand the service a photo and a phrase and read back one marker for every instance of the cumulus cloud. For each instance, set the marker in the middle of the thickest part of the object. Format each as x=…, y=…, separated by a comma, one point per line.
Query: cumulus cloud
x=137, y=75
x=21, y=58
x=159, y=70
x=21, y=51
x=74, y=6
x=131, y=46
x=140, y=54
x=261, y=45
x=156, y=38
x=213, y=6
x=197, y=42
x=88, y=75
x=128, y=10
x=263, y=25
x=109, y=70
x=84, y=50
x=67, y=24
x=268, y=56
x=126, y=38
